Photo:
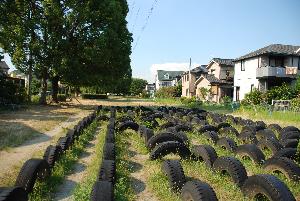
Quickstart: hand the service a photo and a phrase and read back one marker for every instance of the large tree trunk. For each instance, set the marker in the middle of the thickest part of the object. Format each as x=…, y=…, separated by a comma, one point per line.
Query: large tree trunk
x=43, y=98
x=55, y=88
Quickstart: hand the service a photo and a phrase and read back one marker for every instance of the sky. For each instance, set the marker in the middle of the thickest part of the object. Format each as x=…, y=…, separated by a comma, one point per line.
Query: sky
x=178, y=30
x=167, y=33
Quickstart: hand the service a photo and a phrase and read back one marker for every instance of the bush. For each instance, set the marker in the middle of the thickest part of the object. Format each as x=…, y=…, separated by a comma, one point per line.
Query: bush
x=190, y=102
x=61, y=97
x=144, y=94
x=94, y=96
x=226, y=100
x=253, y=98
x=295, y=104
x=283, y=92
x=167, y=92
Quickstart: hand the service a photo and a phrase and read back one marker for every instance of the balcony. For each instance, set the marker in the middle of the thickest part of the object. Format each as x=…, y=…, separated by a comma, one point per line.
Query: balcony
x=268, y=71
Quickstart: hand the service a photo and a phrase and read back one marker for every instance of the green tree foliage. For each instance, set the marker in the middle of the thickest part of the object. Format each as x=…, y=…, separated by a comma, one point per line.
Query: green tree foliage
x=167, y=92
x=253, y=98
x=82, y=43
x=137, y=86
x=283, y=92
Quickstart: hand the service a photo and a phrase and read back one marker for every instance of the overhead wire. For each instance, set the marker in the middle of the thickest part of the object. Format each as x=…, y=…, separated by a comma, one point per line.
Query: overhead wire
x=146, y=23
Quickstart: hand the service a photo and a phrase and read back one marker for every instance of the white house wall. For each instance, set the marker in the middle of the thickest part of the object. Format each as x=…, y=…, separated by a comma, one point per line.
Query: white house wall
x=244, y=79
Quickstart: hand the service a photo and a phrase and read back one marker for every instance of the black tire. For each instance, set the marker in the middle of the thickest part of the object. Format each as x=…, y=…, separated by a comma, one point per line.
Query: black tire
x=128, y=124
x=166, y=125
x=261, y=124
x=109, y=151
x=227, y=143
x=288, y=129
x=165, y=148
x=205, y=153
x=162, y=137
x=284, y=165
x=265, y=133
x=63, y=142
x=110, y=136
x=211, y=136
x=290, y=143
x=32, y=170
x=289, y=135
x=228, y=130
x=102, y=118
x=52, y=154
x=248, y=137
x=102, y=191
x=290, y=153
x=268, y=185
x=223, y=125
x=107, y=171
x=207, y=128
x=198, y=191
x=270, y=144
x=233, y=167
x=275, y=127
x=250, y=129
x=252, y=151
x=71, y=134
x=175, y=174
x=183, y=127
x=13, y=194
x=141, y=130
x=148, y=133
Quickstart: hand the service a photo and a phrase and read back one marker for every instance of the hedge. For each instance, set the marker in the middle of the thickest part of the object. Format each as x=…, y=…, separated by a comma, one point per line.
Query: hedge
x=94, y=96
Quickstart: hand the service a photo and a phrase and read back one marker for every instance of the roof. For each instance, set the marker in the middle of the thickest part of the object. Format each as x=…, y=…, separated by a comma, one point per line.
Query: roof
x=172, y=75
x=275, y=49
x=226, y=62
x=198, y=70
x=3, y=65
x=212, y=79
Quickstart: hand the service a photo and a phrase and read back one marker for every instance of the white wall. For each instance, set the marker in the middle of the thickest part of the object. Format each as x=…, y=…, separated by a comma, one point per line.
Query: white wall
x=244, y=79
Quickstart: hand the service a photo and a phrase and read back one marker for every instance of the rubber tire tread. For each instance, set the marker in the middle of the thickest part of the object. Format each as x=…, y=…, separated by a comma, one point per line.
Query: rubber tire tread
x=268, y=185
x=165, y=148
x=198, y=191
x=175, y=174
x=233, y=167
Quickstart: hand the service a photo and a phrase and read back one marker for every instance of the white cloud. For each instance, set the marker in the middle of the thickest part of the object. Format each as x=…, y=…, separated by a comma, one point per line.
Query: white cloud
x=170, y=67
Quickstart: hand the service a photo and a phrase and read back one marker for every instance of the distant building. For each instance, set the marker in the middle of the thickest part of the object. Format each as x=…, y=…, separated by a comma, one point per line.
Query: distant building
x=4, y=68
x=18, y=74
x=218, y=80
x=189, y=78
x=167, y=78
x=265, y=68
x=150, y=89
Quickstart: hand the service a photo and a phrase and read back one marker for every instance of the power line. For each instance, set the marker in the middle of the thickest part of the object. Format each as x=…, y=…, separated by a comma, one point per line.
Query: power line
x=146, y=23
x=131, y=9
x=135, y=20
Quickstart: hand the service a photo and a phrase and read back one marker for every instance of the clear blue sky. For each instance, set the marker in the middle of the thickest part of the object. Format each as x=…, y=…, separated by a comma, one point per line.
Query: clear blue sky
x=202, y=29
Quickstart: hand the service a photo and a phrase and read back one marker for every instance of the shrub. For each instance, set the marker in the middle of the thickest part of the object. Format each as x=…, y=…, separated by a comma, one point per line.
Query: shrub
x=253, y=98
x=144, y=94
x=204, y=92
x=61, y=97
x=283, y=92
x=94, y=96
x=226, y=100
x=295, y=104
x=167, y=92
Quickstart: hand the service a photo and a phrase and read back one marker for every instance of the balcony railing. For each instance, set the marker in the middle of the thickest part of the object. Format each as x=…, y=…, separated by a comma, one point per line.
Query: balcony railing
x=269, y=71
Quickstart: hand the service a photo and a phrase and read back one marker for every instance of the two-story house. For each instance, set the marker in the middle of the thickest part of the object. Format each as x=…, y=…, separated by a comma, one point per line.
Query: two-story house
x=265, y=68
x=4, y=68
x=188, y=79
x=218, y=81
x=166, y=78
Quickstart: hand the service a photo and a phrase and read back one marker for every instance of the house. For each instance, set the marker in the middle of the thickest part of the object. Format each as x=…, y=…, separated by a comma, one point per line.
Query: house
x=167, y=78
x=265, y=68
x=19, y=75
x=150, y=89
x=218, y=81
x=4, y=67
x=189, y=78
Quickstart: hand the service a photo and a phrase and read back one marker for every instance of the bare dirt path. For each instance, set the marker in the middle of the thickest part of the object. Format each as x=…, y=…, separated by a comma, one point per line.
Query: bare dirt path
x=65, y=191
x=12, y=160
x=139, y=176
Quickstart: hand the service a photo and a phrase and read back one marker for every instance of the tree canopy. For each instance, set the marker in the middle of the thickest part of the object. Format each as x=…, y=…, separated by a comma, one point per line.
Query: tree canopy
x=81, y=43
x=137, y=86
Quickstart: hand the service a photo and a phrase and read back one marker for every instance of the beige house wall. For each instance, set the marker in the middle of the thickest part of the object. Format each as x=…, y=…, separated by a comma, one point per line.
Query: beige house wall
x=216, y=69
x=206, y=84
x=188, y=85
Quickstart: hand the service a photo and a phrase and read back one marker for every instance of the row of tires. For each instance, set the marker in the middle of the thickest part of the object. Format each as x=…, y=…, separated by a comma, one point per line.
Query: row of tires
x=103, y=188
x=35, y=169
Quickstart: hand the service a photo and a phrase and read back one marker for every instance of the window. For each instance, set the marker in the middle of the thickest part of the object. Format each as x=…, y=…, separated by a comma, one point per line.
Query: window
x=299, y=63
x=242, y=65
x=188, y=77
x=276, y=61
x=227, y=73
x=212, y=71
x=166, y=76
x=252, y=87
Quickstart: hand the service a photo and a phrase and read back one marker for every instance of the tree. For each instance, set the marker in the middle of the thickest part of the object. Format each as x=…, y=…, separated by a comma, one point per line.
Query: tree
x=137, y=86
